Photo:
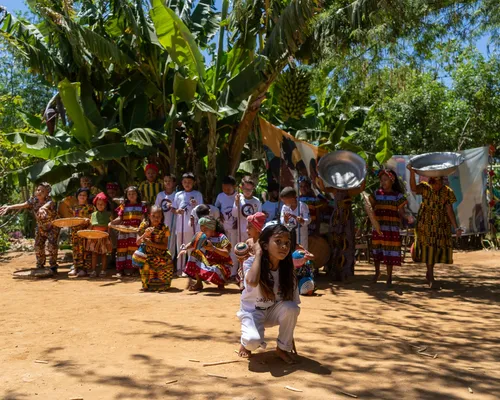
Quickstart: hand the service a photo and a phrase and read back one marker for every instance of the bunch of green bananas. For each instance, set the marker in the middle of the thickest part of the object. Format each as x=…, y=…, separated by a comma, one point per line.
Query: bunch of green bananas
x=293, y=86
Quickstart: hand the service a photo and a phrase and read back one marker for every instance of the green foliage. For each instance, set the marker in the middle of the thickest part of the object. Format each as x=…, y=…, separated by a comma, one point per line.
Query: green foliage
x=4, y=242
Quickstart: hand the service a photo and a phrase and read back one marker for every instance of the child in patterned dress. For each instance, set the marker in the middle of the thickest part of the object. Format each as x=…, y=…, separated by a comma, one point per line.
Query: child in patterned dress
x=131, y=213
x=158, y=268
x=212, y=263
x=99, y=221
x=388, y=203
x=45, y=212
x=81, y=210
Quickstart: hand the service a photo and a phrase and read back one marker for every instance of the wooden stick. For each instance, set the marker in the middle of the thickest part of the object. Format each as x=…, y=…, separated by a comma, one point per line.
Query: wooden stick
x=169, y=382
x=193, y=360
x=220, y=363
x=349, y=394
x=470, y=390
x=218, y=376
x=293, y=389
x=427, y=354
x=41, y=362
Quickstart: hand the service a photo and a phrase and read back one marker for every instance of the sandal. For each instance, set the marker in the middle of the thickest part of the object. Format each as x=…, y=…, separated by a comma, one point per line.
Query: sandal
x=196, y=288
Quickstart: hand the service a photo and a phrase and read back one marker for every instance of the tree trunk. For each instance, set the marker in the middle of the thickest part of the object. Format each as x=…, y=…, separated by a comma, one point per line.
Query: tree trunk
x=240, y=136
x=212, y=157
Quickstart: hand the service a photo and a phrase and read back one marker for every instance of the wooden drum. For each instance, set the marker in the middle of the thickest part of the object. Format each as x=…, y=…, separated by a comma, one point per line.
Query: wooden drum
x=319, y=247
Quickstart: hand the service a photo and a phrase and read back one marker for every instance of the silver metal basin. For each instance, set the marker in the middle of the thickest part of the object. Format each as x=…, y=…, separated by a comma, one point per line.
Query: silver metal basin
x=342, y=170
x=436, y=164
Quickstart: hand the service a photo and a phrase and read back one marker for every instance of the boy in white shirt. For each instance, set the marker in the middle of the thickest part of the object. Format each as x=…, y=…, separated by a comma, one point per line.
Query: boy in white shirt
x=184, y=203
x=225, y=203
x=165, y=201
x=244, y=206
x=295, y=215
x=270, y=207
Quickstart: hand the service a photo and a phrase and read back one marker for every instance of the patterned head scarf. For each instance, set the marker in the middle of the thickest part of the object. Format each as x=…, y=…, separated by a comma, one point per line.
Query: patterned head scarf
x=46, y=185
x=388, y=173
x=208, y=222
x=112, y=185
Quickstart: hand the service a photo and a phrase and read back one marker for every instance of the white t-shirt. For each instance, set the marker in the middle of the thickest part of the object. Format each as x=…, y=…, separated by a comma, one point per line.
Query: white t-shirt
x=214, y=213
x=251, y=297
x=270, y=208
x=161, y=202
x=248, y=207
x=225, y=205
x=292, y=222
x=182, y=200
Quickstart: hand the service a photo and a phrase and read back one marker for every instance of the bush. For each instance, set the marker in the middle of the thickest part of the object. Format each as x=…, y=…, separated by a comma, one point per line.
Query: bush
x=4, y=242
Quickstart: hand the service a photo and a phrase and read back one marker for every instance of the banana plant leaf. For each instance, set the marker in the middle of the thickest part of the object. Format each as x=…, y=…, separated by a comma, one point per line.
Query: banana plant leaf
x=384, y=143
x=144, y=137
x=83, y=129
x=248, y=80
x=176, y=38
x=42, y=146
x=184, y=88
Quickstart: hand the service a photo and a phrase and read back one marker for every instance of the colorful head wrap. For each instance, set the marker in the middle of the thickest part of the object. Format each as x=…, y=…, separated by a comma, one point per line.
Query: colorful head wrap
x=208, y=222
x=151, y=166
x=112, y=185
x=257, y=220
x=388, y=173
x=46, y=185
x=100, y=196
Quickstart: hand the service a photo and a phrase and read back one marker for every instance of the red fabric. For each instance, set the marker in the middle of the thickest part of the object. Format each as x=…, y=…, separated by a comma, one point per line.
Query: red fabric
x=100, y=196
x=258, y=220
x=151, y=166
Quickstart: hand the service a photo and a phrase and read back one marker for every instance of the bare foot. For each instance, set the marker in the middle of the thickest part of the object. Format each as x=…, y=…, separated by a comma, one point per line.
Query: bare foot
x=196, y=287
x=376, y=278
x=220, y=287
x=285, y=356
x=244, y=353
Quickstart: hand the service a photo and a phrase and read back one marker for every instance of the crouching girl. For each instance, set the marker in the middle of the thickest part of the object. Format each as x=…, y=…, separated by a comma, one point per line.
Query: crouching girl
x=270, y=296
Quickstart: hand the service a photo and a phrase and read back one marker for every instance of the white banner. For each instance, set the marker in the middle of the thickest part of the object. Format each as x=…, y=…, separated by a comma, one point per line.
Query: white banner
x=469, y=184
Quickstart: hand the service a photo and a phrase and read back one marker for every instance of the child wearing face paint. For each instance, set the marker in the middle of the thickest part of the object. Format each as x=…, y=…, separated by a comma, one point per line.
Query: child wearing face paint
x=212, y=263
x=270, y=296
x=83, y=209
x=389, y=204
x=99, y=221
x=45, y=212
x=158, y=267
x=130, y=213
x=150, y=188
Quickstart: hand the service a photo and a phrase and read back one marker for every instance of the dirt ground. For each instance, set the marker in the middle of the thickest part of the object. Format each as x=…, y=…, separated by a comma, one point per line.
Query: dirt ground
x=104, y=339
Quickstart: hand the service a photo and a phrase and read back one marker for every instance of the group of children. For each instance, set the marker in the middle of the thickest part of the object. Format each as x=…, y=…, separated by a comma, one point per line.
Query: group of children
x=264, y=248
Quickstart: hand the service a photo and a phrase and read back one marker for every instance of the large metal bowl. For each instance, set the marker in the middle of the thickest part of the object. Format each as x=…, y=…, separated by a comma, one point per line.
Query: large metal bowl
x=342, y=170
x=433, y=165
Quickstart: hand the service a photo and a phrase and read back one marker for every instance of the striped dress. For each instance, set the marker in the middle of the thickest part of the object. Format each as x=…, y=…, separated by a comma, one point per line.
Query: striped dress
x=433, y=240
x=131, y=215
x=212, y=267
x=149, y=191
x=387, y=245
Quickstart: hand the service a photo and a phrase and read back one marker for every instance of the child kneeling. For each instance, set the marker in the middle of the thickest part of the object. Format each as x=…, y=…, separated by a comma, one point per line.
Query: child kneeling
x=270, y=296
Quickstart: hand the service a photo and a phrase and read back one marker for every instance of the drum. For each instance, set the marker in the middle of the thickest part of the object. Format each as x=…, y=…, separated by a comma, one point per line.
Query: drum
x=319, y=247
x=241, y=250
x=306, y=286
x=199, y=241
x=91, y=234
x=69, y=222
x=139, y=257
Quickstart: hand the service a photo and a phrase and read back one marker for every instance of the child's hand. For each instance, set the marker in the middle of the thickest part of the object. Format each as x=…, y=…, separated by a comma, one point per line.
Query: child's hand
x=300, y=220
x=148, y=232
x=256, y=249
x=409, y=167
x=42, y=213
x=180, y=211
x=287, y=217
x=410, y=219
